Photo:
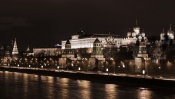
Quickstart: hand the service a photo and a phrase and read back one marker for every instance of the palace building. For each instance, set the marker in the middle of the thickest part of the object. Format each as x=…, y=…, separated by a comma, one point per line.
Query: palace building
x=83, y=40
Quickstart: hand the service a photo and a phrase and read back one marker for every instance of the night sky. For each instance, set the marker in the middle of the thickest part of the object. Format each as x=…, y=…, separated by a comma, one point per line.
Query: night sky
x=47, y=22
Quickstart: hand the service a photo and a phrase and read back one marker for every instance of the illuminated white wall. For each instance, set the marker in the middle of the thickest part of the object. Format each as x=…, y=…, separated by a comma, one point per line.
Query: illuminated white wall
x=88, y=42
x=46, y=51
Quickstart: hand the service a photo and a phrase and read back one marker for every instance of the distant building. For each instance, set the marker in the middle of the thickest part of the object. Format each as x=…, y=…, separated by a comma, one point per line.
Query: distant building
x=47, y=51
x=82, y=40
x=28, y=52
x=6, y=59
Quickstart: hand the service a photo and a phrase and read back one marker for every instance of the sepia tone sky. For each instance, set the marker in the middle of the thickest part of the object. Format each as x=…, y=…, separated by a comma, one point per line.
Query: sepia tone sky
x=47, y=22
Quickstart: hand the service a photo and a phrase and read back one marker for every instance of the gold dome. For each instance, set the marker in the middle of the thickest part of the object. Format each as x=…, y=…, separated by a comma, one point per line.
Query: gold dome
x=136, y=27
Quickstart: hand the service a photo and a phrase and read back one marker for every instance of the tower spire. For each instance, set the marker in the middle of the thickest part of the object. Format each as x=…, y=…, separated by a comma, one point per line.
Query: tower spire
x=163, y=30
x=136, y=22
x=28, y=49
x=129, y=29
x=15, y=48
x=170, y=26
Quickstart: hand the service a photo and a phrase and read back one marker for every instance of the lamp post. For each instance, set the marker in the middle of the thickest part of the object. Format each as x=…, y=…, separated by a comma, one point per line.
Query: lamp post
x=107, y=70
x=114, y=68
x=143, y=72
x=145, y=68
x=79, y=68
x=107, y=67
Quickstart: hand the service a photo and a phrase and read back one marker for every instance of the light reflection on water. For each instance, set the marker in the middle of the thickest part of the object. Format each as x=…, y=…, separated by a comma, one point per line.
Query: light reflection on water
x=111, y=91
x=144, y=93
x=30, y=86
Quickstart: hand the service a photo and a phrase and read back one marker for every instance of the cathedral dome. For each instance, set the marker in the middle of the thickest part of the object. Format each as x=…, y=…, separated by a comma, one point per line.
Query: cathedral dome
x=136, y=28
x=170, y=31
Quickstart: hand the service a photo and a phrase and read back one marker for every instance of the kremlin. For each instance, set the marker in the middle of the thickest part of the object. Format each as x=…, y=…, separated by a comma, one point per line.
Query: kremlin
x=106, y=53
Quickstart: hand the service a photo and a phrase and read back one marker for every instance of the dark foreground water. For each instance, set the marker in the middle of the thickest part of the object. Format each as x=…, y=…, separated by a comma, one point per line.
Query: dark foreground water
x=15, y=85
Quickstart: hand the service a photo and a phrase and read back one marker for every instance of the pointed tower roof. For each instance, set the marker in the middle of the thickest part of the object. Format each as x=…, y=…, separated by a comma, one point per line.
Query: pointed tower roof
x=97, y=40
x=15, y=43
x=28, y=49
x=170, y=26
x=15, y=48
x=67, y=42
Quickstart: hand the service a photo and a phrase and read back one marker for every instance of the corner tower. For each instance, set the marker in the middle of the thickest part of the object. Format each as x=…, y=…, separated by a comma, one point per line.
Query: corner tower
x=15, y=50
x=68, y=52
x=97, y=50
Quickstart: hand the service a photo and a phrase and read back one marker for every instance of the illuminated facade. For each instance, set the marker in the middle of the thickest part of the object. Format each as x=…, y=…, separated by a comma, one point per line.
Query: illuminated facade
x=167, y=36
x=81, y=40
x=47, y=51
x=97, y=49
x=28, y=52
x=86, y=41
x=7, y=58
x=68, y=53
x=142, y=56
x=97, y=58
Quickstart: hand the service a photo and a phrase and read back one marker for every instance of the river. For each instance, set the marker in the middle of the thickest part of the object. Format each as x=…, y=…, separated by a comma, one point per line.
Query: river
x=14, y=85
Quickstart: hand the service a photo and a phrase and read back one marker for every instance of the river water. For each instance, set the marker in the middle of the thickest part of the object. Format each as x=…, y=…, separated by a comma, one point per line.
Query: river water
x=15, y=85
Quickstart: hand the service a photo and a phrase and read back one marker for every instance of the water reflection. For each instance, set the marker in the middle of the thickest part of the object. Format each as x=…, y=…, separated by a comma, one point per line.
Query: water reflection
x=85, y=88
x=144, y=93
x=64, y=87
x=25, y=82
x=111, y=91
x=27, y=86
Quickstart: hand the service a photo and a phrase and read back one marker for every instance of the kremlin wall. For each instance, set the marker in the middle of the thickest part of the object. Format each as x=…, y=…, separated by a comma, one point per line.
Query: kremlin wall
x=101, y=52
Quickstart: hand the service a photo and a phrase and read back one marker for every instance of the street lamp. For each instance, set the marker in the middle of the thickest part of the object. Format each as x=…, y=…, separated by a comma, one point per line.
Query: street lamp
x=107, y=70
x=143, y=72
x=114, y=68
x=79, y=68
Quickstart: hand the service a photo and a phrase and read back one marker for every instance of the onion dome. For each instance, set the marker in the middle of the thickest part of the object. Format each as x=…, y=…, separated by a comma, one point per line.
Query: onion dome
x=129, y=33
x=163, y=33
x=170, y=31
x=136, y=28
x=81, y=32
